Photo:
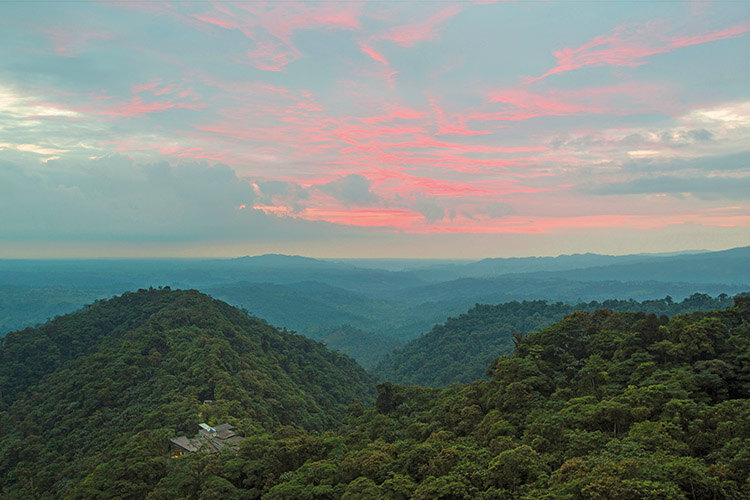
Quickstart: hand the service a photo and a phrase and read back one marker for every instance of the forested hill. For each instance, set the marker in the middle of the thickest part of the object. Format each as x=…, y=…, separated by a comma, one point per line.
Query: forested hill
x=598, y=406
x=461, y=349
x=119, y=377
x=367, y=348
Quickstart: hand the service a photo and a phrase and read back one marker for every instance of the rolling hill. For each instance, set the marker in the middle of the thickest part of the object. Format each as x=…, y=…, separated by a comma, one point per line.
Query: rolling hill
x=124, y=373
x=598, y=405
x=461, y=349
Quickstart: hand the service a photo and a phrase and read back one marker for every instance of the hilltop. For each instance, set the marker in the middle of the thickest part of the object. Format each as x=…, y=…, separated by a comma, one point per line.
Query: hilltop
x=129, y=371
x=599, y=405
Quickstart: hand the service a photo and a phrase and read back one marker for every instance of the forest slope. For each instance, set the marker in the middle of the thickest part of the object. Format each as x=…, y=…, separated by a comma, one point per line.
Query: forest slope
x=138, y=368
x=603, y=405
x=461, y=349
x=366, y=348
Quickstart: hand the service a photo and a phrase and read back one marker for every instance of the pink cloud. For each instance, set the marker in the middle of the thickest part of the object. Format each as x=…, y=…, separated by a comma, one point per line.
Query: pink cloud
x=459, y=129
x=410, y=34
x=399, y=112
x=69, y=42
x=271, y=55
x=136, y=107
x=413, y=222
x=217, y=21
x=407, y=35
x=171, y=149
x=628, y=45
x=456, y=125
x=387, y=72
x=146, y=87
x=370, y=51
x=429, y=142
x=525, y=104
x=271, y=27
x=733, y=32
x=370, y=217
x=352, y=134
x=520, y=103
x=407, y=185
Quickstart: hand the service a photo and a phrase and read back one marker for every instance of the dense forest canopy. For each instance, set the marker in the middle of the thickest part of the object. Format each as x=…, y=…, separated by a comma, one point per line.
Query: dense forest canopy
x=366, y=348
x=137, y=369
x=461, y=349
x=602, y=404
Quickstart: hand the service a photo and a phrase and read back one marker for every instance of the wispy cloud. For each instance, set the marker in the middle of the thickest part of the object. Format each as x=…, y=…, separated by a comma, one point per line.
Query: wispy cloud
x=629, y=45
x=271, y=27
x=408, y=35
x=69, y=43
x=405, y=117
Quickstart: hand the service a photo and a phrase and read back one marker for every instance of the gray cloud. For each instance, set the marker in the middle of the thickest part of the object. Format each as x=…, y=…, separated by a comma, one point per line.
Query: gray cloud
x=497, y=210
x=673, y=138
x=734, y=162
x=353, y=189
x=113, y=199
x=708, y=178
x=280, y=193
x=708, y=188
x=430, y=209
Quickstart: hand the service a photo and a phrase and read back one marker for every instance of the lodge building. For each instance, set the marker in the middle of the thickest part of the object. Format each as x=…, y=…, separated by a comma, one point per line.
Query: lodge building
x=209, y=440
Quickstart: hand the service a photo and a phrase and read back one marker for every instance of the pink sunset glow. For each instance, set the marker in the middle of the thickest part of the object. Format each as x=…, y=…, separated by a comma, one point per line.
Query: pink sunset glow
x=403, y=118
x=410, y=34
x=629, y=45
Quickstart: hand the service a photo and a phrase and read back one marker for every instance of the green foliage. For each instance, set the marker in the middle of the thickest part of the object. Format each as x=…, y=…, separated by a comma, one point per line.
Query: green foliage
x=90, y=399
x=366, y=348
x=461, y=349
x=589, y=408
x=600, y=405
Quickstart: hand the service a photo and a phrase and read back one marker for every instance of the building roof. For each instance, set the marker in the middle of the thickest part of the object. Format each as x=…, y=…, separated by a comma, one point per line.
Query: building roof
x=210, y=439
x=224, y=431
x=185, y=443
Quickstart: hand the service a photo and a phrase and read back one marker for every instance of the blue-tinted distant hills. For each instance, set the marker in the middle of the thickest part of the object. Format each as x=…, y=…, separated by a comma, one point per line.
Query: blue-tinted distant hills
x=274, y=260
x=397, y=298
x=525, y=287
x=728, y=266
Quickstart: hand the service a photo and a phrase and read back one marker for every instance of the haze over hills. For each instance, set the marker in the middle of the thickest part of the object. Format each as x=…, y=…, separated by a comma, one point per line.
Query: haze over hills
x=544, y=286
x=673, y=267
x=317, y=297
x=284, y=269
x=365, y=347
x=729, y=266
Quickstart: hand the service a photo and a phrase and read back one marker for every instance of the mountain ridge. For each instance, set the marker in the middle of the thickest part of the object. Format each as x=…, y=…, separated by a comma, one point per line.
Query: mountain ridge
x=147, y=365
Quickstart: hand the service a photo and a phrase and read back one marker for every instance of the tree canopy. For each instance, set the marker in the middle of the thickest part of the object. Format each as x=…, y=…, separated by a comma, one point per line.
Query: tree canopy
x=127, y=373
x=460, y=349
x=601, y=404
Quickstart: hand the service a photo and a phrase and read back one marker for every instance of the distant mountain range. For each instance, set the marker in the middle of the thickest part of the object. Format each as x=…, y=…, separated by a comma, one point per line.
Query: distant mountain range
x=675, y=267
x=400, y=300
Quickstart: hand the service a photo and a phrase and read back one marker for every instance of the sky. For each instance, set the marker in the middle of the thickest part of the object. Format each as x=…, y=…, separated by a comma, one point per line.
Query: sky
x=373, y=129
